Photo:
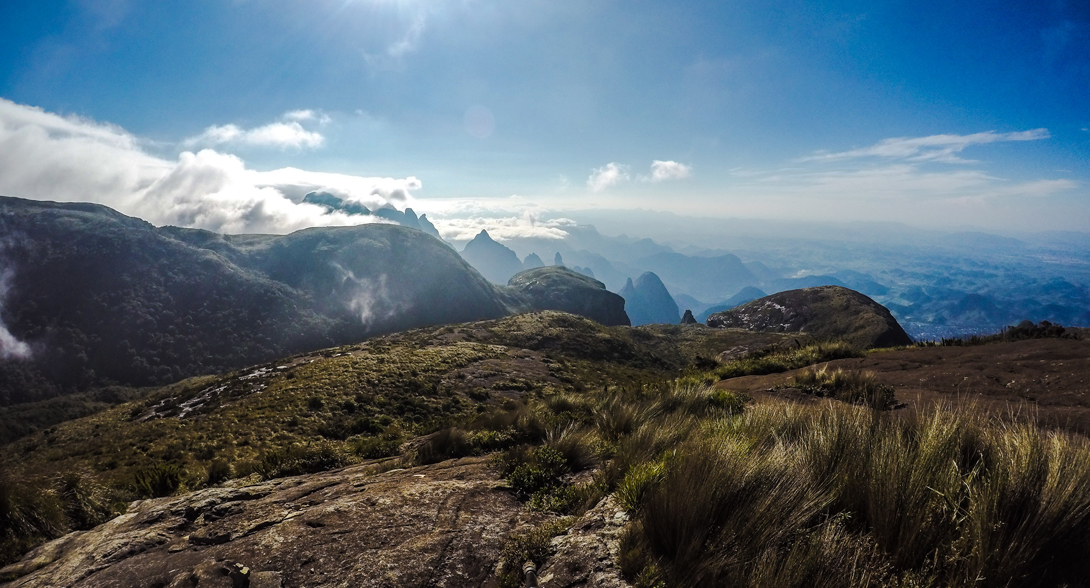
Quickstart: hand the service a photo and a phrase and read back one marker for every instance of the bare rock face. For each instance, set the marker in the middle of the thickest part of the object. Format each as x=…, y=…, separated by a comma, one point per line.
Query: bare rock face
x=438, y=525
x=587, y=554
x=826, y=312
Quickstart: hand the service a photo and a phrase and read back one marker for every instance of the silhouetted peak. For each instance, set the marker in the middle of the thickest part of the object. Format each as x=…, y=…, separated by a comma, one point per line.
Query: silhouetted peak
x=557, y=260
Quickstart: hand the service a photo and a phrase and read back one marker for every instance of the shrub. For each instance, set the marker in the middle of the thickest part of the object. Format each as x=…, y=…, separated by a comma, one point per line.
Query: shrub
x=385, y=445
x=155, y=481
x=777, y=361
x=540, y=468
x=301, y=459
x=219, y=471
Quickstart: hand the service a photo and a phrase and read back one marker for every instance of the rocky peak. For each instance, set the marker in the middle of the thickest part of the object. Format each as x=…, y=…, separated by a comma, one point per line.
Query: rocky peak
x=647, y=301
x=689, y=319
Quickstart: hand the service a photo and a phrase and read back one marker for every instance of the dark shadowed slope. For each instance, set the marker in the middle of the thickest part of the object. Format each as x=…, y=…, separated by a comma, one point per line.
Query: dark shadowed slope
x=101, y=297
x=827, y=312
x=559, y=288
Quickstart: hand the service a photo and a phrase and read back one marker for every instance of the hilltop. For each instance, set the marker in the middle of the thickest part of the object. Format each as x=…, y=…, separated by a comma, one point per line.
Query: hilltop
x=827, y=312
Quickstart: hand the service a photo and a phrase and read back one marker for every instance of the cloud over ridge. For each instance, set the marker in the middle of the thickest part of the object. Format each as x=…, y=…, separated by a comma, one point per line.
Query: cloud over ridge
x=46, y=156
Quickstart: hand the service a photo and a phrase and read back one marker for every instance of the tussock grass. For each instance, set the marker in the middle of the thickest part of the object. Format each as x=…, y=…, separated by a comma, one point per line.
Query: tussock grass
x=845, y=496
x=852, y=386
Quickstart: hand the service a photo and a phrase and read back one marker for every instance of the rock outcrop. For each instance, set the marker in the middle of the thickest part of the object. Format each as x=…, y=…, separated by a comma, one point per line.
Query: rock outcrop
x=827, y=312
x=689, y=319
x=559, y=288
x=747, y=294
x=647, y=301
x=439, y=525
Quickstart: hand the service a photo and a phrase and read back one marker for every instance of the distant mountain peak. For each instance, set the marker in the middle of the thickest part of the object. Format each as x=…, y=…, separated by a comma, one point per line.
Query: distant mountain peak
x=647, y=301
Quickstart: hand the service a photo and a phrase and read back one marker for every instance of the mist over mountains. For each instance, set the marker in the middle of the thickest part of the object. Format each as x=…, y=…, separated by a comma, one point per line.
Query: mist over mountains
x=92, y=297
x=936, y=283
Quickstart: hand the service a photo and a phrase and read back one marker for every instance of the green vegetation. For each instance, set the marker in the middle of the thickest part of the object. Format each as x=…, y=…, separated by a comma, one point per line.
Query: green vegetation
x=774, y=360
x=33, y=512
x=854, y=386
x=789, y=495
x=529, y=546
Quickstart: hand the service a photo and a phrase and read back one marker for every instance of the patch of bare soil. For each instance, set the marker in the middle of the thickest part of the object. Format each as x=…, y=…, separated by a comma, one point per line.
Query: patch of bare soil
x=1046, y=379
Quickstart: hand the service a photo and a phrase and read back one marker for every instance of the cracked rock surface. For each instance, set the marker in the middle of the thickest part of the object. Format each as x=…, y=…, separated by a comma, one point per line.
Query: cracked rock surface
x=587, y=554
x=437, y=525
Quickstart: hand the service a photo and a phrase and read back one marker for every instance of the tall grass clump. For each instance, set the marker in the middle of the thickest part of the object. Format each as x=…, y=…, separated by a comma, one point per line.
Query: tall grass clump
x=776, y=360
x=852, y=386
x=845, y=496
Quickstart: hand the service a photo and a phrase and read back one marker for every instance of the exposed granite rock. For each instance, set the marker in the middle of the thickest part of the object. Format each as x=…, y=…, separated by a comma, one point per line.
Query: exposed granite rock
x=559, y=288
x=438, y=525
x=587, y=554
x=826, y=312
x=689, y=319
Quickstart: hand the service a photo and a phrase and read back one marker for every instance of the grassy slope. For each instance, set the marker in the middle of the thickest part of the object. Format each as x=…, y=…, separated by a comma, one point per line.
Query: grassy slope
x=412, y=382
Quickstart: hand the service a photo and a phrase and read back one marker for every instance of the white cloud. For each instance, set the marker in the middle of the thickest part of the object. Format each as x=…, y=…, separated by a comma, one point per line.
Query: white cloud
x=45, y=156
x=283, y=135
x=10, y=347
x=526, y=226
x=609, y=175
x=938, y=148
x=669, y=170
x=307, y=115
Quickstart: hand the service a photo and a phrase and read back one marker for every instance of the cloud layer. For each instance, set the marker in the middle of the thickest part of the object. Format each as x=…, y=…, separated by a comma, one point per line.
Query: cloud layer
x=45, y=156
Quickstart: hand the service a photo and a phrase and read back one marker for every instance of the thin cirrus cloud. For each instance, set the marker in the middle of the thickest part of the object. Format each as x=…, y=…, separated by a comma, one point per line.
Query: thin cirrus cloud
x=937, y=148
x=47, y=156
x=287, y=133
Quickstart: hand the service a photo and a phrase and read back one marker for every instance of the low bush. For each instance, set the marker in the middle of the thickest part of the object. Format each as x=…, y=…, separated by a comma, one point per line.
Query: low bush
x=854, y=386
x=302, y=459
x=386, y=444
x=155, y=481
x=777, y=361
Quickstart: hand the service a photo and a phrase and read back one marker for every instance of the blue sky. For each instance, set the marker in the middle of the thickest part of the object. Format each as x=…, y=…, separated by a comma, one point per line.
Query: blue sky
x=934, y=113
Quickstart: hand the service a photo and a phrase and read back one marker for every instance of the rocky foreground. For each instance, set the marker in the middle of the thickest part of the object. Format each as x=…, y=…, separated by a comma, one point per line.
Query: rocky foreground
x=437, y=525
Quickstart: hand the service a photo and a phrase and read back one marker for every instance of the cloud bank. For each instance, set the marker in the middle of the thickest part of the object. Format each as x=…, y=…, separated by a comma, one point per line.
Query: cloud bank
x=45, y=156
x=527, y=226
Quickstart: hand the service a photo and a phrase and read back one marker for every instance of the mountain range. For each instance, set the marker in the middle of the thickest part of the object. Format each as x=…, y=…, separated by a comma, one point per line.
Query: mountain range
x=93, y=297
